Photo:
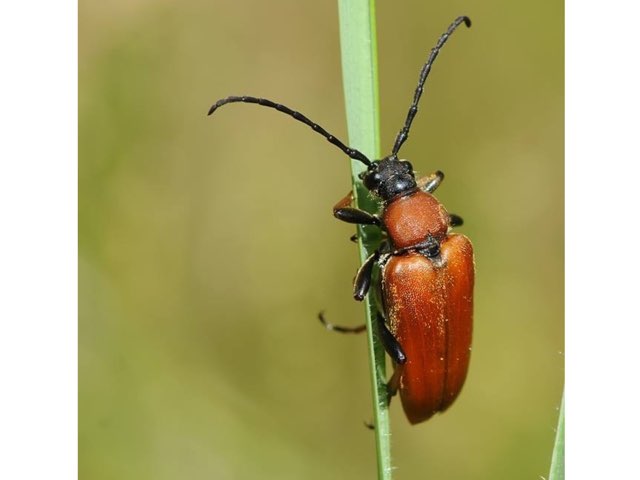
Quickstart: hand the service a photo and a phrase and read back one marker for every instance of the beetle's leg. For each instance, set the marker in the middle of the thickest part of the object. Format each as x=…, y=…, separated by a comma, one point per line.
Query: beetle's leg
x=394, y=382
x=340, y=329
x=389, y=342
x=395, y=351
x=345, y=212
x=355, y=215
x=430, y=182
x=455, y=220
x=362, y=281
x=345, y=201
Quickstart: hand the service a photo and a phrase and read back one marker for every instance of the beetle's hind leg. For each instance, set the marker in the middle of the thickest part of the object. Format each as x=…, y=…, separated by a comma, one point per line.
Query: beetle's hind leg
x=395, y=351
x=339, y=328
x=389, y=342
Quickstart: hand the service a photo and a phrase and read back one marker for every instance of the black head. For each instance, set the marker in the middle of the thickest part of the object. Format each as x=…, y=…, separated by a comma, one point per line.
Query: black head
x=389, y=178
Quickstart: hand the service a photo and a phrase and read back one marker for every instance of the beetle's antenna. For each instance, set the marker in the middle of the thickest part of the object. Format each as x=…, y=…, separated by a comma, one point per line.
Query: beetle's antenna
x=351, y=152
x=424, y=73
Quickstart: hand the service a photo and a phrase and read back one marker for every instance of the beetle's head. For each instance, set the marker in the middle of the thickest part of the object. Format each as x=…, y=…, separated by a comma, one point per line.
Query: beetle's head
x=389, y=178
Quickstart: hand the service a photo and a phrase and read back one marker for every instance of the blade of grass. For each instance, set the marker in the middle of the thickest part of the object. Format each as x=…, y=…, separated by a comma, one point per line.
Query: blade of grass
x=360, y=79
x=557, y=458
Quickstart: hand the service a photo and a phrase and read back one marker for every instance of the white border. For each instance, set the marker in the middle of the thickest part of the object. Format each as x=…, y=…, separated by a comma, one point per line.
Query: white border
x=38, y=253
x=602, y=241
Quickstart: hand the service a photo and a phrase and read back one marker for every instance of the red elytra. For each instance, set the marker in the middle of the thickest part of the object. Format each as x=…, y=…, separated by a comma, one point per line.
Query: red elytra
x=429, y=308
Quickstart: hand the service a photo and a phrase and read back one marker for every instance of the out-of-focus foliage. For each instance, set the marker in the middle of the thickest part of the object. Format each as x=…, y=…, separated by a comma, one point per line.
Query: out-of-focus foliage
x=207, y=245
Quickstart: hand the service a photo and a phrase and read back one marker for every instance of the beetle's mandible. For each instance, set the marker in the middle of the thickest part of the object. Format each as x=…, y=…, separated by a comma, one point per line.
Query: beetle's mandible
x=424, y=290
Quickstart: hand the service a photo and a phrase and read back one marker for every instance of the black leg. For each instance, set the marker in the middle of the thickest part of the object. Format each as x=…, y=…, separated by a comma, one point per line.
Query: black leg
x=355, y=215
x=340, y=329
x=345, y=212
x=395, y=351
x=389, y=342
x=363, y=278
x=455, y=220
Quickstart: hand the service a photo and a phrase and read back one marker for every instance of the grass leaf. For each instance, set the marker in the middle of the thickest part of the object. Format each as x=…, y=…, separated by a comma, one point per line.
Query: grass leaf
x=557, y=458
x=360, y=78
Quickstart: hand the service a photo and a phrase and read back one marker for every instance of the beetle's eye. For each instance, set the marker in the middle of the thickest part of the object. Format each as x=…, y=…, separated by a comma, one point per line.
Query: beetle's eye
x=372, y=180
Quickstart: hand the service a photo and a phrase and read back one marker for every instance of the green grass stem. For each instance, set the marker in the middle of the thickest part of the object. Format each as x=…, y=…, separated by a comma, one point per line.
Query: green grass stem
x=360, y=78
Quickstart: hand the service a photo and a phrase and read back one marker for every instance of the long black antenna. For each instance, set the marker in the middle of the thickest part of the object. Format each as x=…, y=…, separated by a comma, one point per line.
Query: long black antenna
x=351, y=152
x=424, y=73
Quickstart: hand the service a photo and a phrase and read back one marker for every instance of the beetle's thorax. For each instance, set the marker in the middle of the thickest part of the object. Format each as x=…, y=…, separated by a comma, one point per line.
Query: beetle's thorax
x=411, y=219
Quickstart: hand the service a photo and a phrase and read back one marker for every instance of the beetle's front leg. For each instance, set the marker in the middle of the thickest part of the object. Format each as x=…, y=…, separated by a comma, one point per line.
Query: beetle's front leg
x=430, y=182
x=345, y=212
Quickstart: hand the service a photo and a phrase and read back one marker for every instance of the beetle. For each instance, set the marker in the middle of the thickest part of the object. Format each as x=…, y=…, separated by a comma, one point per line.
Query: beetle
x=425, y=277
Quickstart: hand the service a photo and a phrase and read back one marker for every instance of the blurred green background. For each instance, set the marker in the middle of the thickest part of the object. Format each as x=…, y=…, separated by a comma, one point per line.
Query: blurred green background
x=207, y=245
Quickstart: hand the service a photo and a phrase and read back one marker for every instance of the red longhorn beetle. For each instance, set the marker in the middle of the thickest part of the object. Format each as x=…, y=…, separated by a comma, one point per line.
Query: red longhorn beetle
x=425, y=290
